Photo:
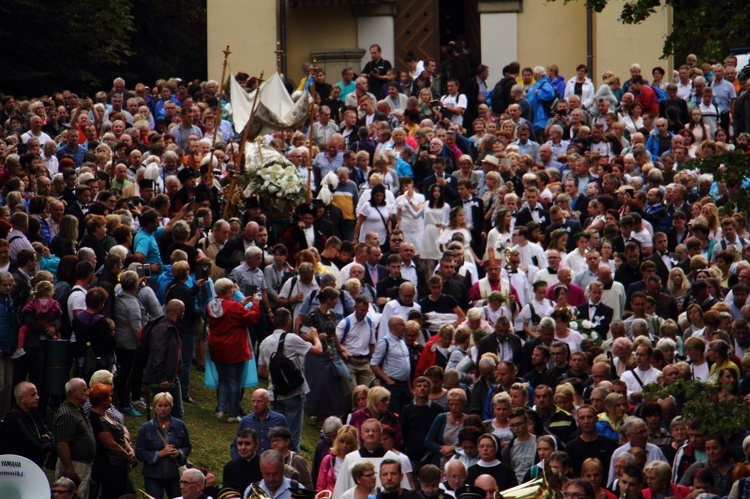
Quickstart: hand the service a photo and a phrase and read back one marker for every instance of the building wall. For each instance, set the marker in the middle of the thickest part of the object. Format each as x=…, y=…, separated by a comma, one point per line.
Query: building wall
x=618, y=45
x=547, y=33
x=556, y=33
x=249, y=26
x=319, y=28
x=552, y=33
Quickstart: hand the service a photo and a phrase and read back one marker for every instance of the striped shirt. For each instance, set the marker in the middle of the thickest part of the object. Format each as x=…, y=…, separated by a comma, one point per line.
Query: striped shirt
x=73, y=427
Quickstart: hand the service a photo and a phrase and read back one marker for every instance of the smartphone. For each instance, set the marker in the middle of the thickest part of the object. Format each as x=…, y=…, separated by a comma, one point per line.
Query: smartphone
x=250, y=289
x=304, y=329
x=144, y=270
x=434, y=102
x=201, y=225
x=202, y=272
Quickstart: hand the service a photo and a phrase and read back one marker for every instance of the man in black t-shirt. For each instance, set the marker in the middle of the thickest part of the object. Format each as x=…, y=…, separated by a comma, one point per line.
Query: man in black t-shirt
x=589, y=443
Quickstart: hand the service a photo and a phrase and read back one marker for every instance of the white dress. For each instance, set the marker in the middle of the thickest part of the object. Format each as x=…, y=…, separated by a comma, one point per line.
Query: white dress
x=432, y=216
x=375, y=219
x=445, y=239
x=412, y=220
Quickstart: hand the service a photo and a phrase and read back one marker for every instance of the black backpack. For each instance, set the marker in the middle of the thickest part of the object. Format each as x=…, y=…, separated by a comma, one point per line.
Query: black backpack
x=143, y=350
x=499, y=94
x=285, y=374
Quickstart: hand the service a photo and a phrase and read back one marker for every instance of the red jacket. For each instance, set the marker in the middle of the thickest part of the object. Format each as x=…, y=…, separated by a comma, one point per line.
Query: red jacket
x=229, y=341
x=427, y=358
x=648, y=100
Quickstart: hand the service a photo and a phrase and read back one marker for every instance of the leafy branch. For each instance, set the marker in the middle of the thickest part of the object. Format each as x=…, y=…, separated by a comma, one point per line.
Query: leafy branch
x=729, y=167
x=727, y=417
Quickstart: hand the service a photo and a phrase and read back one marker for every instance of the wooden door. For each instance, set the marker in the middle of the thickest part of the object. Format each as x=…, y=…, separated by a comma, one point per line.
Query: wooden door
x=417, y=30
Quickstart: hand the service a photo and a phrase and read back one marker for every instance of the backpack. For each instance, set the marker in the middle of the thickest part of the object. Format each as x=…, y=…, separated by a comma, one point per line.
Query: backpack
x=498, y=95
x=661, y=95
x=285, y=374
x=143, y=350
x=66, y=328
x=348, y=326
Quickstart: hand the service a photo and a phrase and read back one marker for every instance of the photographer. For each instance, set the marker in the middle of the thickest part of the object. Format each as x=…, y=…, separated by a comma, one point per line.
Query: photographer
x=376, y=71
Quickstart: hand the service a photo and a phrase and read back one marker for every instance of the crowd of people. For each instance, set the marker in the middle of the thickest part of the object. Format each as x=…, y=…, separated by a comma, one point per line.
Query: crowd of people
x=480, y=293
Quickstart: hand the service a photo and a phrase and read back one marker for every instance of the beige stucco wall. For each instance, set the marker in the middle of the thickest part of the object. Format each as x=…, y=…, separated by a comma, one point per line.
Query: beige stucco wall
x=249, y=26
x=556, y=33
x=319, y=28
x=617, y=44
x=552, y=33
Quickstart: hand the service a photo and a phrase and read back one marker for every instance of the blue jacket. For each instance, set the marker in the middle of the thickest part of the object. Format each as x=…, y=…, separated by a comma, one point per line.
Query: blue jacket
x=540, y=91
x=434, y=438
x=658, y=216
x=559, y=85
x=150, y=443
x=652, y=145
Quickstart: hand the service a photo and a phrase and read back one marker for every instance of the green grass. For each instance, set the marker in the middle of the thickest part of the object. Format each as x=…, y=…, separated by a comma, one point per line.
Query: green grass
x=211, y=437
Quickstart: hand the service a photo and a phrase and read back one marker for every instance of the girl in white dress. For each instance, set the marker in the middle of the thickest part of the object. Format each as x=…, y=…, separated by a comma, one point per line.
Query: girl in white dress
x=457, y=224
x=436, y=216
x=410, y=208
x=375, y=216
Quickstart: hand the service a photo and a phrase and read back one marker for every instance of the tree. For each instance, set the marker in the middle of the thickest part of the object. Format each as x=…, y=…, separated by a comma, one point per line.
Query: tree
x=170, y=40
x=84, y=44
x=709, y=28
x=726, y=417
x=53, y=45
x=732, y=167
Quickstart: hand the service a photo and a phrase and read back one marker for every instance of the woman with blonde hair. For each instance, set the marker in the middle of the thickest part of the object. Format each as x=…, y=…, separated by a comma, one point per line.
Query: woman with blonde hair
x=442, y=439
x=378, y=399
x=615, y=407
x=66, y=240
x=677, y=283
x=509, y=127
x=711, y=212
x=591, y=471
x=347, y=440
x=500, y=424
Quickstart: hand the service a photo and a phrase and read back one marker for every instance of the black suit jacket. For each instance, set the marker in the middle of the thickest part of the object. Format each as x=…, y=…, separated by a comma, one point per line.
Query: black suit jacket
x=673, y=239
x=362, y=122
x=382, y=274
x=602, y=310
x=489, y=344
x=477, y=212
x=75, y=210
x=450, y=190
x=524, y=216
x=661, y=268
x=477, y=218
x=528, y=349
x=570, y=226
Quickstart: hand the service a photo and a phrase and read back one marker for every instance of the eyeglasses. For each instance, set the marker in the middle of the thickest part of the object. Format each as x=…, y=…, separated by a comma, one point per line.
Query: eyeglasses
x=517, y=425
x=368, y=475
x=61, y=491
x=185, y=482
x=572, y=495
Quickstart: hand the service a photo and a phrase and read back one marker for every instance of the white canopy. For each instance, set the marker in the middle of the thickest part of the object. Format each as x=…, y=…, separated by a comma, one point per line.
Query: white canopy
x=275, y=109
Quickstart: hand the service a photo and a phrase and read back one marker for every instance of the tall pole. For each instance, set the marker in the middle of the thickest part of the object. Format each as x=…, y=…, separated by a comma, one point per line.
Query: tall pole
x=233, y=182
x=217, y=120
x=278, y=53
x=313, y=70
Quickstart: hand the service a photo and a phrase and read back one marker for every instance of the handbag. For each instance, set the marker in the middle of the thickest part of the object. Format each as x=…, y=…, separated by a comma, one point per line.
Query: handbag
x=93, y=362
x=341, y=370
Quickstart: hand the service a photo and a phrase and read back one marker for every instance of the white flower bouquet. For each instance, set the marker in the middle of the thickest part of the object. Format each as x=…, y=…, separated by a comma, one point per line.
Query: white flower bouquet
x=273, y=178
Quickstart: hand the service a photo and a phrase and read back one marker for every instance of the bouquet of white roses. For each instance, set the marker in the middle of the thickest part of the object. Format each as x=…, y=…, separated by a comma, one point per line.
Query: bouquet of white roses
x=586, y=328
x=277, y=178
